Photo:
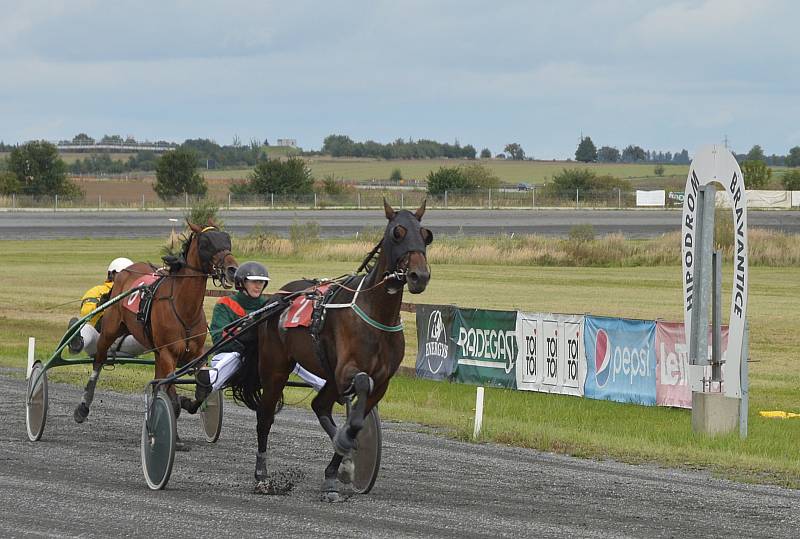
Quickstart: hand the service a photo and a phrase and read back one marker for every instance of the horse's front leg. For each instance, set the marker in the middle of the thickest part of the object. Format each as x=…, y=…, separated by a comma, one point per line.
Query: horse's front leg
x=323, y=408
x=104, y=341
x=345, y=439
x=265, y=416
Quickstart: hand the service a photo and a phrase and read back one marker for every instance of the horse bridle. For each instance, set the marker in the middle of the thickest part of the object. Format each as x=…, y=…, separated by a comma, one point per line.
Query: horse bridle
x=216, y=270
x=399, y=251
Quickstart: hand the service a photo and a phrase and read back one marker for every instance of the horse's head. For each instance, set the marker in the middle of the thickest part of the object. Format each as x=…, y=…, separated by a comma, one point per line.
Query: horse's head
x=404, y=243
x=214, y=253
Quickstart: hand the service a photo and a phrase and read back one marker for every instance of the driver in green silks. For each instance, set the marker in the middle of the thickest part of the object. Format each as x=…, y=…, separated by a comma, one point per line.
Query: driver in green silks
x=251, y=280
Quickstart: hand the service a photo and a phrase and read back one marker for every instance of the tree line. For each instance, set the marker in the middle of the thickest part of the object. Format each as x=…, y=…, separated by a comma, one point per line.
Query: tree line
x=344, y=146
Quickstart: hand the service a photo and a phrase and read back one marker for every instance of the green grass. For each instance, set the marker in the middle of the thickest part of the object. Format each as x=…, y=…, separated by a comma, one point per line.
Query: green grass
x=37, y=275
x=417, y=169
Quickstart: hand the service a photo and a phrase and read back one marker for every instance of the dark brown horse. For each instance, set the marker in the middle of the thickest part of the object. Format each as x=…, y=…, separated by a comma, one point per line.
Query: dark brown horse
x=361, y=345
x=177, y=324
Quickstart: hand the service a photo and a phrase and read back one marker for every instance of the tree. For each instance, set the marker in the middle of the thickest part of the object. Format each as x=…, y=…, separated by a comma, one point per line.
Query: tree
x=446, y=179
x=793, y=159
x=632, y=153
x=515, y=151
x=608, y=154
x=396, y=176
x=469, y=151
x=40, y=171
x=756, y=174
x=486, y=154
x=111, y=139
x=791, y=180
x=9, y=184
x=176, y=173
x=659, y=170
x=478, y=176
x=266, y=142
x=756, y=154
x=586, y=152
x=290, y=177
x=83, y=139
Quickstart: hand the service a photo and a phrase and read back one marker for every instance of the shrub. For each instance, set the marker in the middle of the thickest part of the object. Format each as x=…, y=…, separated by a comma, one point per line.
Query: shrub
x=176, y=173
x=204, y=211
x=304, y=233
x=478, y=176
x=396, y=176
x=447, y=179
x=290, y=177
x=9, y=183
x=581, y=233
x=659, y=170
x=791, y=180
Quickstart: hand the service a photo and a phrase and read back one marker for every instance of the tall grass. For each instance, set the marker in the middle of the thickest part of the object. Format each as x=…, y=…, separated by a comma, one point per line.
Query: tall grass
x=767, y=248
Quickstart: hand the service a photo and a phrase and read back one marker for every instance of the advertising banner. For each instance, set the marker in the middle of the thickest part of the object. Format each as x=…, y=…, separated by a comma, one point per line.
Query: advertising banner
x=620, y=359
x=550, y=353
x=435, y=345
x=672, y=364
x=795, y=199
x=486, y=347
x=651, y=198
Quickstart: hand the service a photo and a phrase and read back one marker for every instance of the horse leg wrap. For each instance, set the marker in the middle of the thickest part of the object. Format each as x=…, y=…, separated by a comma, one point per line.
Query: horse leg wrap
x=82, y=410
x=261, y=466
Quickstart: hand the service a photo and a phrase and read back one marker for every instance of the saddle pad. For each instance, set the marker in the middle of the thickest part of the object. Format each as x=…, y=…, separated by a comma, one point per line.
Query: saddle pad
x=132, y=302
x=299, y=312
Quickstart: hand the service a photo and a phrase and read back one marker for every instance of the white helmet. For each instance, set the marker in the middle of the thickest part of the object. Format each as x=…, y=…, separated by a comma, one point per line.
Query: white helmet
x=119, y=264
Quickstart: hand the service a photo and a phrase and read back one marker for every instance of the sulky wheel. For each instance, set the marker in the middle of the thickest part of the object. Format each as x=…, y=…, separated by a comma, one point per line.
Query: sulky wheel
x=36, y=402
x=367, y=454
x=211, y=416
x=159, y=436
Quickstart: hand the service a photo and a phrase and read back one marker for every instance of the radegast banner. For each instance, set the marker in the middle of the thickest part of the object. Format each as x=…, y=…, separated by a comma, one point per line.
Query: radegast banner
x=672, y=364
x=620, y=359
x=486, y=347
x=436, y=346
x=550, y=353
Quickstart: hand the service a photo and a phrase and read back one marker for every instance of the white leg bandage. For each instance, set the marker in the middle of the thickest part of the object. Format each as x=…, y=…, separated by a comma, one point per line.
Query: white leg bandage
x=223, y=366
x=315, y=381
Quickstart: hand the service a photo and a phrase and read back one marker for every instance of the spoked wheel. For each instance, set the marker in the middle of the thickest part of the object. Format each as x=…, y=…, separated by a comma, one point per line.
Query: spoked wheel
x=36, y=402
x=211, y=416
x=367, y=454
x=159, y=436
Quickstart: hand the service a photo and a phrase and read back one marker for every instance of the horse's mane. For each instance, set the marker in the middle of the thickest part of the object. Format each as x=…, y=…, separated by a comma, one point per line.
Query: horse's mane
x=175, y=261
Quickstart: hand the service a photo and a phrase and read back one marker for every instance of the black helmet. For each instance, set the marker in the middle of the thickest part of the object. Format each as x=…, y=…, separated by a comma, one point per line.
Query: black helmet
x=250, y=271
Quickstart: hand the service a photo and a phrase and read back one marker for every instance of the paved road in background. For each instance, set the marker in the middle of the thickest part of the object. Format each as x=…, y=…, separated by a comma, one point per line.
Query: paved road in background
x=86, y=480
x=112, y=224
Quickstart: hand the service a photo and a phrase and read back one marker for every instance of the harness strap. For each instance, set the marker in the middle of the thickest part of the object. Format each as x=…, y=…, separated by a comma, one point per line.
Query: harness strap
x=374, y=323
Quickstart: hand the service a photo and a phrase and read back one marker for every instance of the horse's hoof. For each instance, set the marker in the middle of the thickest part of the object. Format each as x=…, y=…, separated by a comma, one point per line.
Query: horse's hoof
x=190, y=405
x=346, y=470
x=342, y=443
x=331, y=497
x=81, y=412
x=180, y=445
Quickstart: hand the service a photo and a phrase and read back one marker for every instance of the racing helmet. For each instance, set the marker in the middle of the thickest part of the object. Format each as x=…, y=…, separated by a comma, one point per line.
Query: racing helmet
x=117, y=265
x=250, y=271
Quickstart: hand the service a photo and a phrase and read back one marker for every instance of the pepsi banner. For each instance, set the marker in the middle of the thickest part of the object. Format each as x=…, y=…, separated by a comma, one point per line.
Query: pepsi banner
x=550, y=353
x=620, y=359
x=435, y=348
x=486, y=347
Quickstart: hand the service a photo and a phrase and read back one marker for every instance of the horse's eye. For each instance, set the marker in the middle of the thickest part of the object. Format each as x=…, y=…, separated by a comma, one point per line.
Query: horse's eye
x=427, y=235
x=399, y=232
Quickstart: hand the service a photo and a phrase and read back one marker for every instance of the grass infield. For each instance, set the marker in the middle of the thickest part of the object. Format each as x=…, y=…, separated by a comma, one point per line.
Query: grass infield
x=39, y=276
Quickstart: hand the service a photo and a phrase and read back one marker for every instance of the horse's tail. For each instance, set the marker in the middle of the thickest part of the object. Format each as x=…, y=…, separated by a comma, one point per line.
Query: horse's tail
x=245, y=385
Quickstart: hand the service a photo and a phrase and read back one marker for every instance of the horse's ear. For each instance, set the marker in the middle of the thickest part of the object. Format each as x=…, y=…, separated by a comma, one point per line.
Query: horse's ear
x=193, y=227
x=421, y=210
x=390, y=213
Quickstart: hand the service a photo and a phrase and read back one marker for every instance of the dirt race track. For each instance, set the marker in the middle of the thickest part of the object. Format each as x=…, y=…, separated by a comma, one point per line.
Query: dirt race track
x=86, y=480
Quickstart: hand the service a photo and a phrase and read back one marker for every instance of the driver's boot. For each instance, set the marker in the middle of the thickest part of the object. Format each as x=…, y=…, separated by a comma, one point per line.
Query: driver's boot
x=203, y=388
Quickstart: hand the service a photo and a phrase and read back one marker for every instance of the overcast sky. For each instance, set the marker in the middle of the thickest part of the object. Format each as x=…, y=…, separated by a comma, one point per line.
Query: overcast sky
x=664, y=75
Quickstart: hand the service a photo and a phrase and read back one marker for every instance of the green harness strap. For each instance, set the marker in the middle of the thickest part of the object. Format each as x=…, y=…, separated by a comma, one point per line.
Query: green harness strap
x=374, y=323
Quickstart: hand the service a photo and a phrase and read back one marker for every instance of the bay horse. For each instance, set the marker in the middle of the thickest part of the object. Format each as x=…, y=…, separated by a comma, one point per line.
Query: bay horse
x=363, y=346
x=177, y=323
